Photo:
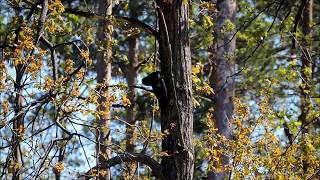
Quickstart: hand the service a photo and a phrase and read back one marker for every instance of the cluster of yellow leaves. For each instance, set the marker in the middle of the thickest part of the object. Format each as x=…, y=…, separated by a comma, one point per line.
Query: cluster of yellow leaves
x=126, y=101
x=21, y=54
x=106, y=104
x=14, y=166
x=96, y=173
x=69, y=66
x=56, y=23
x=93, y=98
x=200, y=85
x=85, y=55
x=255, y=151
x=56, y=7
x=264, y=106
x=80, y=74
x=48, y=83
x=106, y=94
x=26, y=38
x=34, y=66
x=132, y=32
x=25, y=43
x=5, y=106
x=20, y=131
x=228, y=26
x=58, y=167
x=207, y=22
x=241, y=109
x=88, y=34
x=3, y=72
x=207, y=5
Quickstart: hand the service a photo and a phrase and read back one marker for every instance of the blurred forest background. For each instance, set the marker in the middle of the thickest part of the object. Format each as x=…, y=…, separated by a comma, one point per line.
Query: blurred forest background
x=235, y=93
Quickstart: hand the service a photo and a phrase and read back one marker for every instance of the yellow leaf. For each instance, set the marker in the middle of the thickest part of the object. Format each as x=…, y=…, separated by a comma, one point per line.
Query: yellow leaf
x=126, y=101
x=58, y=167
x=126, y=6
x=277, y=151
x=195, y=70
x=5, y=106
x=207, y=21
x=195, y=79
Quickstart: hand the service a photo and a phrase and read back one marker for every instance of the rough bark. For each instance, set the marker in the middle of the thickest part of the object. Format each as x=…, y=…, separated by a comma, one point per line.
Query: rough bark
x=305, y=103
x=177, y=113
x=103, y=68
x=223, y=69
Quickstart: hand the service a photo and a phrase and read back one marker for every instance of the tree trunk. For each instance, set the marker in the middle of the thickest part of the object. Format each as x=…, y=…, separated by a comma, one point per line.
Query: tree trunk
x=132, y=73
x=103, y=67
x=305, y=103
x=223, y=69
x=131, y=76
x=177, y=112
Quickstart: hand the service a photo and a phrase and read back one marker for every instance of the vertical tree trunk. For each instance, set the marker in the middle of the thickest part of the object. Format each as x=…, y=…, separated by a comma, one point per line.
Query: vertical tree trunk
x=131, y=76
x=223, y=67
x=305, y=103
x=132, y=72
x=177, y=113
x=103, y=67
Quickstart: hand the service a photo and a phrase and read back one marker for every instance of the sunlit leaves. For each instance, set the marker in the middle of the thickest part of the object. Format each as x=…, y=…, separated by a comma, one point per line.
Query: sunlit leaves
x=131, y=32
x=199, y=84
x=56, y=7
x=207, y=22
x=228, y=26
x=3, y=72
x=48, y=83
x=241, y=109
x=207, y=5
x=126, y=101
x=69, y=66
x=5, y=107
x=255, y=150
x=13, y=166
x=85, y=55
x=58, y=167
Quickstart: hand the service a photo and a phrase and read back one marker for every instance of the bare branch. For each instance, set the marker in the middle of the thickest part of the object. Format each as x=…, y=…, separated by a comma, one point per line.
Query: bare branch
x=145, y=61
x=38, y=173
x=134, y=21
x=130, y=157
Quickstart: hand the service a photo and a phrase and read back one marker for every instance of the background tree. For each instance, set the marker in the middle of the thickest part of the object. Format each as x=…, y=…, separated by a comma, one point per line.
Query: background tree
x=222, y=77
x=103, y=67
